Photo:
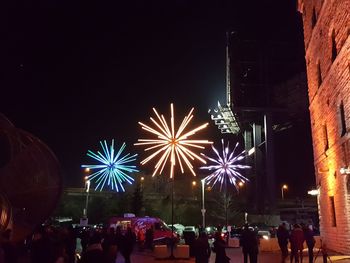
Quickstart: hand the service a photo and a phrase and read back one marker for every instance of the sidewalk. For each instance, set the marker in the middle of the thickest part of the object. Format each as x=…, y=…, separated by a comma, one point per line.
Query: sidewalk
x=234, y=253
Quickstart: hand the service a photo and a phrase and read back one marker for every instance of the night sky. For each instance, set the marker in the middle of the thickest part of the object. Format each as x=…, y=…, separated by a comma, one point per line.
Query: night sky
x=76, y=72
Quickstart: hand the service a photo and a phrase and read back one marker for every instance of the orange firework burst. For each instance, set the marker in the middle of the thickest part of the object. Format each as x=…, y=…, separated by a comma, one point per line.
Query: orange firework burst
x=171, y=144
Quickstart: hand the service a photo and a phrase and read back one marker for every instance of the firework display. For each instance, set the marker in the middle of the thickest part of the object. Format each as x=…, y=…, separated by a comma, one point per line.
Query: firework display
x=225, y=167
x=172, y=145
x=112, y=168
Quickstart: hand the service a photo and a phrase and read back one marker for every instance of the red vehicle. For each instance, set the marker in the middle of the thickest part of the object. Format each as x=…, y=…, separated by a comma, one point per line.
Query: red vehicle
x=161, y=232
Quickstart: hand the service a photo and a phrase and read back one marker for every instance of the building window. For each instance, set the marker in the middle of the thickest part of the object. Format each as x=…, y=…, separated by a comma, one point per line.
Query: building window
x=334, y=46
x=342, y=119
x=313, y=18
x=325, y=137
x=332, y=210
x=319, y=74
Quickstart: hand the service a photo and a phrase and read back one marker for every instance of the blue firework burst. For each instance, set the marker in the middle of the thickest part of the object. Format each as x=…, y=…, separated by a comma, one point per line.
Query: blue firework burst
x=226, y=166
x=113, y=168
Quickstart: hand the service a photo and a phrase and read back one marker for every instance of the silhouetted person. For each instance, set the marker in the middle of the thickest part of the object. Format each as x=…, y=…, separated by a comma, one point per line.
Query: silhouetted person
x=41, y=248
x=9, y=249
x=2, y=254
x=69, y=240
x=84, y=239
x=250, y=244
x=141, y=239
x=283, y=236
x=190, y=237
x=310, y=242
x=296, y=243
x=94, y=252
x=130, y=240
x=120, y=239
x=219, y=249
x=201, y=248
x=109, y=245
x=149, y=238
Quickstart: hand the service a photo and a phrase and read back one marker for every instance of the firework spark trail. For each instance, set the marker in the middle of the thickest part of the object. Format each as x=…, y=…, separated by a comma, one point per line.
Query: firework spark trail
x=171, y=145
x=113, y=167
x=225, y=166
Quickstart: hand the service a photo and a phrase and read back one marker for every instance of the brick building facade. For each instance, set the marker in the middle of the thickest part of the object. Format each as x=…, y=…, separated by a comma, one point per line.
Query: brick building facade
x=327, y=55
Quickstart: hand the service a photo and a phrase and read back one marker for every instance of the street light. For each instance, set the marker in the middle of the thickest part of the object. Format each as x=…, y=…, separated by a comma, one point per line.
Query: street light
x=314, y=192
x=203, y=206
x=345, y=170
x=194, y=184
x=87, y=189
x=284, y=187
x=240, y=185
x=142, y=179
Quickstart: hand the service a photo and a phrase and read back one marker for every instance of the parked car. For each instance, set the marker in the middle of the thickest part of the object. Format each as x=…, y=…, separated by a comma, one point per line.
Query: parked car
x=264, y=234
x=180, y=227
x=191, y=229
x=177, y=230
x=210, y=231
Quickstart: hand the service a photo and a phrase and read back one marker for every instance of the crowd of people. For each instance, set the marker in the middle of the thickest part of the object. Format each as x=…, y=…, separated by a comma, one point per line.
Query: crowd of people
x=50, y=244
x=58, y=245
x=296, y=238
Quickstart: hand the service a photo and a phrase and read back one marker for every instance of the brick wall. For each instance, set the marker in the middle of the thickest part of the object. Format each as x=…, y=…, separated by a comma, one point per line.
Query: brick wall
x=327, y=46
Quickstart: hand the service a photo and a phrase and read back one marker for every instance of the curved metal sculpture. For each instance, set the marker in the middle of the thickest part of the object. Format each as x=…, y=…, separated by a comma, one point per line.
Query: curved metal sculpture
x=30, y=180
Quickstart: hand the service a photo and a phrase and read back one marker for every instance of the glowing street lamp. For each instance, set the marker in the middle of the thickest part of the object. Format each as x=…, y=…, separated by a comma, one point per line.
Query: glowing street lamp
x=314, y=192
x=283, y=188
x=240, y=186
x=345, y=170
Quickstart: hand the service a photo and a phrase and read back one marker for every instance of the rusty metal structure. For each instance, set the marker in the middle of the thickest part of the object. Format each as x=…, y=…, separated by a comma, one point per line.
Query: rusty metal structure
x=30, y=180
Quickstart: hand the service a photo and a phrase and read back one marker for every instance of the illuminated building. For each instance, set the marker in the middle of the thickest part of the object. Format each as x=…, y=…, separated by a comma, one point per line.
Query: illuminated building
x=327, y=53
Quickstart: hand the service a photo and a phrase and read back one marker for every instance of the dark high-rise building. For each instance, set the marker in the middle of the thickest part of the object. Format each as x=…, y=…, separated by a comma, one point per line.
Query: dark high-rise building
x=267, y=96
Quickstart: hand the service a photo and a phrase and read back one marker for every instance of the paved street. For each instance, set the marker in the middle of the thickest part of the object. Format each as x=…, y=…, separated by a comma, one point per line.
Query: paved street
x=234, y=253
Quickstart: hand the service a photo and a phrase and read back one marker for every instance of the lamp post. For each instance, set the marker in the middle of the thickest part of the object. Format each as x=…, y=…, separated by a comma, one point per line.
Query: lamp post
x=203, y=204
x=194, y=184
x=284, y=187
x=142, y=179
x=240, y=185
x=87, y=189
